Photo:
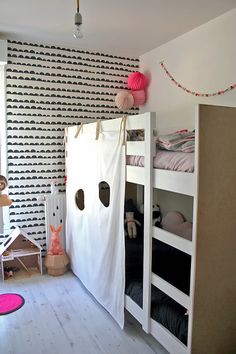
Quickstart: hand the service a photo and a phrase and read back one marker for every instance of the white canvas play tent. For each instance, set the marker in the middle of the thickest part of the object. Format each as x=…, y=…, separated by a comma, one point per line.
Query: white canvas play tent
x=95, y=232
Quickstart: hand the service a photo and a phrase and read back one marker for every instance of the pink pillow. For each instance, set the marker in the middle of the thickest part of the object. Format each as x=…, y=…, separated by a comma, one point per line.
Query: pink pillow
x=175, y=222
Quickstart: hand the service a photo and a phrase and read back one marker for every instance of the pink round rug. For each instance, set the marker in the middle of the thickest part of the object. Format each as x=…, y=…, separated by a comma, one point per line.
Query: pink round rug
x=10, y=303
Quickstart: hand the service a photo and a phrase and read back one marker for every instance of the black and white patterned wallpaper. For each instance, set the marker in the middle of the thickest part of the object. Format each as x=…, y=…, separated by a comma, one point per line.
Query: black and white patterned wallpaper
x=49, y=88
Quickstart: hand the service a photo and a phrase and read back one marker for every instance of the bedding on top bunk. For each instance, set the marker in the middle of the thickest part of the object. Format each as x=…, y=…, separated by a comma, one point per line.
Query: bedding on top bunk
x=182, y=140
x=166, y=160
x=174, y=152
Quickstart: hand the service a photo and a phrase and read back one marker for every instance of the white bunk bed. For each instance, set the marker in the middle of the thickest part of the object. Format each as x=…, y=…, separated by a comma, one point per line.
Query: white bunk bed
x=174, y=181
x=208, y=120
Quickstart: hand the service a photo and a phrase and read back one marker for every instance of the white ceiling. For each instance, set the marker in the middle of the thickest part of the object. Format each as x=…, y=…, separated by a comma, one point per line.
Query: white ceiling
x=124, y=27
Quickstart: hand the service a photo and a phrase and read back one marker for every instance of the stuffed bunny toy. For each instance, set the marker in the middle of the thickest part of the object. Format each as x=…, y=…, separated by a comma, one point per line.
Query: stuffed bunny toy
x=131, y=224
x=55, y=245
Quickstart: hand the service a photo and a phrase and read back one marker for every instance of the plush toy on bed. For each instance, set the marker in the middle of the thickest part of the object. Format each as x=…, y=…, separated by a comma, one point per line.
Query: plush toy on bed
x=130, y=206
x=176, y=223
x=156, y=215
x=131, y=224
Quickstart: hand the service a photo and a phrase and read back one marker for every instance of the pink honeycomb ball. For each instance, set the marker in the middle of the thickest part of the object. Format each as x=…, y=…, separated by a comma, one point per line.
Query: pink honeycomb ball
x=124, y=100
x=139, y=97
x=137, y=81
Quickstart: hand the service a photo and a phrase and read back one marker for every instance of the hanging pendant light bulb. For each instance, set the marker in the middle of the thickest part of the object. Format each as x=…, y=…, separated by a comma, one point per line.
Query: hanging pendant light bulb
x=78, y=33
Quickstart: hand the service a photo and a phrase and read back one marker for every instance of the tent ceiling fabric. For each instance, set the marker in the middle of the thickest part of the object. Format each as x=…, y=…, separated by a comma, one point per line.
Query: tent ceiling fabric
x=120, y=27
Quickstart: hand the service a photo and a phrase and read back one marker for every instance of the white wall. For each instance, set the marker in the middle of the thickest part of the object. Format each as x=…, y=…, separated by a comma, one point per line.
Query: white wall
x=202, y=60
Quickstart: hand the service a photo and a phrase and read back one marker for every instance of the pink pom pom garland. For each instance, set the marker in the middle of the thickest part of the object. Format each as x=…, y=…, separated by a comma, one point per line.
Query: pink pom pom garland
x=124, y=100
x=139, y=97
x=137, y=81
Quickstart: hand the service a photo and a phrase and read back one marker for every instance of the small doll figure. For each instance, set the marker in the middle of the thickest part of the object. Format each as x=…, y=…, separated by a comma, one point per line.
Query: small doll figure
x=131, y=224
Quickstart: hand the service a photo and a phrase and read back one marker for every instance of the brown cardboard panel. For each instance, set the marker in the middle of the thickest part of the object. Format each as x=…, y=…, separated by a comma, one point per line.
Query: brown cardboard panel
x=214, y=315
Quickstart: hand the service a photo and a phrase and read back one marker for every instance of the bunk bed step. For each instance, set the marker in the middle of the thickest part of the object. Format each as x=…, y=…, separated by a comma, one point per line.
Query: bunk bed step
x=135, y=174
x=140, y=121
x=174, y=181
x=173, y=240
x=134, y=309
x=167, y=339
x=135, y=148
x=171, y=291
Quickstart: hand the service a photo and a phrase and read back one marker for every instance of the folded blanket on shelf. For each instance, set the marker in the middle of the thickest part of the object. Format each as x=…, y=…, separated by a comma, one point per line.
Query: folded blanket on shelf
x=182, y=140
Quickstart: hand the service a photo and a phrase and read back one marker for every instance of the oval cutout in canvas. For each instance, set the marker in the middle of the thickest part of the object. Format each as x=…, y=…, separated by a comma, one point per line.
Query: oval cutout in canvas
x=79, y=199
x=104, y=193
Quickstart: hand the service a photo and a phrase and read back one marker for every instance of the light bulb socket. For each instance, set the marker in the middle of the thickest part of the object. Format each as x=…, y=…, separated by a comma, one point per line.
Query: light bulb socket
x=78, y=19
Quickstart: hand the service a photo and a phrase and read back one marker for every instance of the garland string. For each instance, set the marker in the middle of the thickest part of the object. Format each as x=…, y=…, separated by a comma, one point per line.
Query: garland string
x=220, y=92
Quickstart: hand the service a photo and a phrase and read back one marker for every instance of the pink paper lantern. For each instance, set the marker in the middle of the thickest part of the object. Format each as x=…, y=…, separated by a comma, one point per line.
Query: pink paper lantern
x=137, y=81
x=139, y=97
x=124, y=100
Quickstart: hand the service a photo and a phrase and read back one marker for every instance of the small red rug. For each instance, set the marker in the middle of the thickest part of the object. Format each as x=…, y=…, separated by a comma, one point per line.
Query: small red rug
x=10, y=303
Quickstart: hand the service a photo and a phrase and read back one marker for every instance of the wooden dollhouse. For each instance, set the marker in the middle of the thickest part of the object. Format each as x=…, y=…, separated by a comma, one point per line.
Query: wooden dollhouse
x=20, y=256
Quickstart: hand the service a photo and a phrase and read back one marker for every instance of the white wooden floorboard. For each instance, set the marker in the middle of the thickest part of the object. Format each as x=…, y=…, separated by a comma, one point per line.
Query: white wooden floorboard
x=61, y=317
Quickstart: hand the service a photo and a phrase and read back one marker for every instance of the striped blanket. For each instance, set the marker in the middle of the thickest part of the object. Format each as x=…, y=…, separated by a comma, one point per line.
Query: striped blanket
x=182, y=140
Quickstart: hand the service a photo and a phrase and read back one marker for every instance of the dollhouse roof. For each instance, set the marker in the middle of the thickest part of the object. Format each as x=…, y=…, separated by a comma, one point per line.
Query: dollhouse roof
x=13, y=236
